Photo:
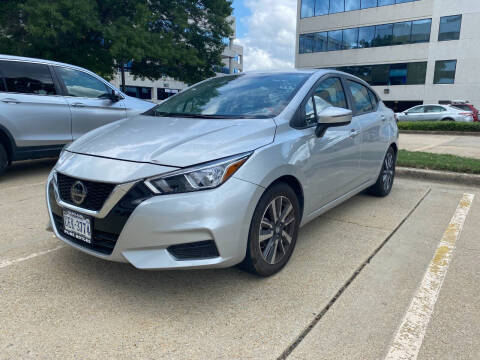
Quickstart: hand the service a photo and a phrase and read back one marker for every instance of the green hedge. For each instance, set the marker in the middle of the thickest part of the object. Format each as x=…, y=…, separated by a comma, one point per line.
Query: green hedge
x=423, y=160
x=439, y=126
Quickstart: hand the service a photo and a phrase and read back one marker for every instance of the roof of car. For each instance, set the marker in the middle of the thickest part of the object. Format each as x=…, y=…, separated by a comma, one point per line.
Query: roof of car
x=42, y=61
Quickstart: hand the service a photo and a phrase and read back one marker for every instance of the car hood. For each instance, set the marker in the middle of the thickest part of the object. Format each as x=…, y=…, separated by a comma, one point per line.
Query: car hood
x=178, y=142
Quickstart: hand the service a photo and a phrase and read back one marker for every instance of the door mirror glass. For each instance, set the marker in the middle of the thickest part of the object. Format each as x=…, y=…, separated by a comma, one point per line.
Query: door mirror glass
x=334, y=116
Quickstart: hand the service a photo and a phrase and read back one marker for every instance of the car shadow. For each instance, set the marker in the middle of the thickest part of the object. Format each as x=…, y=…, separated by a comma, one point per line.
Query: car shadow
x=26, y=169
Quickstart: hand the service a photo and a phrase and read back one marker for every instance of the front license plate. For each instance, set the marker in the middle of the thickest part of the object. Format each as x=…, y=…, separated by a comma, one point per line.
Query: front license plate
x=77, y=225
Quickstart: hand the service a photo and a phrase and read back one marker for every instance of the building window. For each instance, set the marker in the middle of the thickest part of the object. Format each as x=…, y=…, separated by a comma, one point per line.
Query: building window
x=335, y=40
x=450, y=28
x=311, y=8
x=369, y=36
x=350, y=38
x=365, y=36
x=139, y=92
x=390, y=74
x=383, y=35
x=322, y=7
x=445, y=72
x=351, y=5
x=421, y=30
x=337, y=6
x=402, y=33
x=307, y=9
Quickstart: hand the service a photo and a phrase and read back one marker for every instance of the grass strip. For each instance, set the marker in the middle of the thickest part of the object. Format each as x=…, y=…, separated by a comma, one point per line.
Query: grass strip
x=444, y=162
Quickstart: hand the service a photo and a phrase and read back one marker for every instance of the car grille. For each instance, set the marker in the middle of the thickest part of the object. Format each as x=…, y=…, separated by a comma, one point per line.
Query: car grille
x=97, y=193
x=194, y=251
x=102, y=242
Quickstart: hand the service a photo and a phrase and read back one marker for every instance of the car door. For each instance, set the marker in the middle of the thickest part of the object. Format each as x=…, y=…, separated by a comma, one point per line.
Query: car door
x=31, y=106
x=332, y=167
x=90, y=100
x=372, y=119
x=416, y=113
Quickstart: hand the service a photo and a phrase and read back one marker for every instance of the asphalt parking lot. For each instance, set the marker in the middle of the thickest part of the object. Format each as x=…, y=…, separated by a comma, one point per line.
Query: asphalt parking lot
x=344, y=295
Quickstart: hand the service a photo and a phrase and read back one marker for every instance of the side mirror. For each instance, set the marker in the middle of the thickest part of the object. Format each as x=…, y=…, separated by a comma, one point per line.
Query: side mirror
x=330, y=117
x=115, y=96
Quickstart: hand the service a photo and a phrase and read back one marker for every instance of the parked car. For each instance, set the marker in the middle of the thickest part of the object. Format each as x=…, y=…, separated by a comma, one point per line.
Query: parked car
x=467, y=107
x=435, y=112
x=45, y=104
x=224, y=172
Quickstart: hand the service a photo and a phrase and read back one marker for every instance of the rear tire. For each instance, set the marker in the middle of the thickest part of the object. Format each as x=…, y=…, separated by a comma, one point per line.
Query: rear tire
x=273, y=231
x=3, y=159
x=384, y=183
x=447, y=119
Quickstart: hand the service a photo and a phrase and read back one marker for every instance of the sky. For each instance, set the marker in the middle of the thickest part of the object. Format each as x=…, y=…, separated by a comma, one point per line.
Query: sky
x=266, y=30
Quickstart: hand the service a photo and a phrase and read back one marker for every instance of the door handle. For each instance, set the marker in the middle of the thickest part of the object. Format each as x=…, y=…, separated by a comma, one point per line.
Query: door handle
x=354, y=133
x=78, y=105
x=10, y=101
x=383, y=117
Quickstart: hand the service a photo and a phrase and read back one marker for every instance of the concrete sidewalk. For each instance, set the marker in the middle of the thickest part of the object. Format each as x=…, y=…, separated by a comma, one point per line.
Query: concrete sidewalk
x=466, y=146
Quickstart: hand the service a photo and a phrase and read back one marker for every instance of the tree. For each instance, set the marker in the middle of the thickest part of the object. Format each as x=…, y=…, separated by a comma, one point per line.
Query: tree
x=178, y=38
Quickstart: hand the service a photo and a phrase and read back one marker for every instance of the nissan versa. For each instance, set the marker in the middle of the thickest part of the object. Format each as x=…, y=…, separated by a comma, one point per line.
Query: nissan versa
x=225, y=172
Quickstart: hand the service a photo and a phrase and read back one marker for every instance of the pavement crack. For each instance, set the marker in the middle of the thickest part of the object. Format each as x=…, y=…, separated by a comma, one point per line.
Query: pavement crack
x=339, y=293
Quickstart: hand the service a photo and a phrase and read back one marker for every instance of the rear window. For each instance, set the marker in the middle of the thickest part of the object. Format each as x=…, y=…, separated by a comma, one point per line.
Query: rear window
x=463, y=107
x=27, y=78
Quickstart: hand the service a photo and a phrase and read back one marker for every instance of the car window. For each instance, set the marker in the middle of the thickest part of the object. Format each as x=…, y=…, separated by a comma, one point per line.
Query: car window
x=434, y=109
x=361, y=98
x=329, y=93
x=458, y=106
x=416, y=110
x=27, y=78
x=80, y=84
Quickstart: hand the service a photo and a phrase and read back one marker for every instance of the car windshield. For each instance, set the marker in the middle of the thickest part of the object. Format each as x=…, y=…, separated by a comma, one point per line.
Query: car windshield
x=248, y=96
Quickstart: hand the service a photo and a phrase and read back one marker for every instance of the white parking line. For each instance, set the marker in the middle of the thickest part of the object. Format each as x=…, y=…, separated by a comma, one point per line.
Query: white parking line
x=409, y=338
x=5, y=263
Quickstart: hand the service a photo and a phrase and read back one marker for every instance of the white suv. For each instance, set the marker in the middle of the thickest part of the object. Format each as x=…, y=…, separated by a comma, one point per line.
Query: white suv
x=45, y=104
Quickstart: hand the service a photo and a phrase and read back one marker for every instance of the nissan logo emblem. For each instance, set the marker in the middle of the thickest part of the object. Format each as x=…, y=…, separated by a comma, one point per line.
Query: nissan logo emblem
x=78, y=192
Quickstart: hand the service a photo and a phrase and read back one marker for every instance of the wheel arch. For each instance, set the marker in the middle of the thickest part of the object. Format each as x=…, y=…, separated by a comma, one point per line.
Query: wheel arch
x=7, y=141
x=296, y=186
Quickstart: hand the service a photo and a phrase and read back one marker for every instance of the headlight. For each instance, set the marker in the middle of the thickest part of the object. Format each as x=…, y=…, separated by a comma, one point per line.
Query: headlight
x=202, y=177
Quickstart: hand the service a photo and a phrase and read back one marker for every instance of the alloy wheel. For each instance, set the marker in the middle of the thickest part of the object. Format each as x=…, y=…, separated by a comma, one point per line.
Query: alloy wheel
x=277, y=228
x=388, y=171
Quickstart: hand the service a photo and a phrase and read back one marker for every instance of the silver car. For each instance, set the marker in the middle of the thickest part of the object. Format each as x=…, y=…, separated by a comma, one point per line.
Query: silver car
x=45, y=104
x=435, y=112
x=224, y=172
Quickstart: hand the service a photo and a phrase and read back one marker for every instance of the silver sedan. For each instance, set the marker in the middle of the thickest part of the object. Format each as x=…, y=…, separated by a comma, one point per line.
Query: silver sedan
x=225, y=172
x=435, y=113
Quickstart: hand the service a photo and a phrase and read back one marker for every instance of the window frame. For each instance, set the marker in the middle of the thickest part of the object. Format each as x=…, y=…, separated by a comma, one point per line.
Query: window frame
x=2, y=80
x=58, y=89
x=300, y=113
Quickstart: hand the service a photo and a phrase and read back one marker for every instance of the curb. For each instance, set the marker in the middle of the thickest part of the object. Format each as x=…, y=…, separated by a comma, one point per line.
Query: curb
x=456, y=133
x=441, y=176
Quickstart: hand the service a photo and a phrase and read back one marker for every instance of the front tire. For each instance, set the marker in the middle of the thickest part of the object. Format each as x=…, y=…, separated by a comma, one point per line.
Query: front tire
x=3, y=159
x=384, y=183
x=273, y=231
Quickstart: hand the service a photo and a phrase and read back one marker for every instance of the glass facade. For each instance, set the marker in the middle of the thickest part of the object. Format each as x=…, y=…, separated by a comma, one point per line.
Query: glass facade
x=445, y=72
x=450, y=28
x=390, y=74
x=311, y=8
x=408, y=32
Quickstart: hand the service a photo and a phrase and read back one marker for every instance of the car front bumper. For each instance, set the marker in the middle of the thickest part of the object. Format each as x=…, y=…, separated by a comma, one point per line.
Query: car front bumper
x=161, y=223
